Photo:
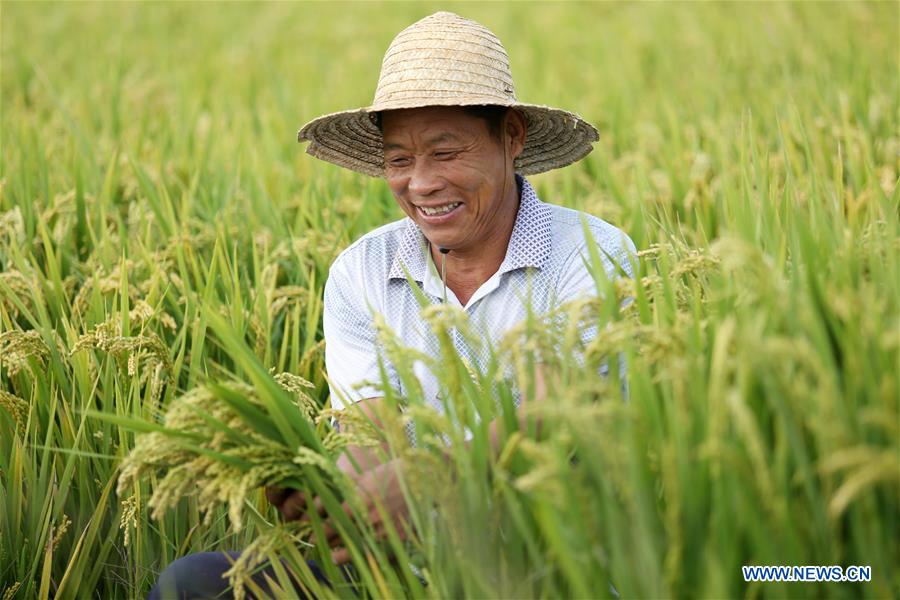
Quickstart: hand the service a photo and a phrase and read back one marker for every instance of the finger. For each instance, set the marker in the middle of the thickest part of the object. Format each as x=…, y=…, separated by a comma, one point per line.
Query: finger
x=294, y=506
x=340, y=556
x=298, y=508
x=277, y=495
x=398, y=525
x=317, y=506
x=329, y=534
x=332, y=537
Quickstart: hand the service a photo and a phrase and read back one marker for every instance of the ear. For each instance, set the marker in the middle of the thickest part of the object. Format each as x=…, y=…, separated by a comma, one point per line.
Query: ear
x=515, y=129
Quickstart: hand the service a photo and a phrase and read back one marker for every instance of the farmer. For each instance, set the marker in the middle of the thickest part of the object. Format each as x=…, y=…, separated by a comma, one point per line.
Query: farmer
x=454, y=144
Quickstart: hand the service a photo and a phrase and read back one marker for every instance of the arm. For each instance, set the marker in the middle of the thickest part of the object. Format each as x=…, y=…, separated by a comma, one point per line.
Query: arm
x=369, y=458
x=379, y=481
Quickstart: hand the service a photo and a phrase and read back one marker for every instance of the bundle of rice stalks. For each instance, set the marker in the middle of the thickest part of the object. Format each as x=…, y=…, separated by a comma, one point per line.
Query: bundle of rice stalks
x=220, y=443
x=217, y=443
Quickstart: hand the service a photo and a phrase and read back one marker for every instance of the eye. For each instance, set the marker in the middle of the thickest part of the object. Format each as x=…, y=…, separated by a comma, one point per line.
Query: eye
x=445, y=154
x=398, y=162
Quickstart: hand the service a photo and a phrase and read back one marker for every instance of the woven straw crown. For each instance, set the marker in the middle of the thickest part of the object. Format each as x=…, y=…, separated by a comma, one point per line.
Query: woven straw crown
x=446, y=60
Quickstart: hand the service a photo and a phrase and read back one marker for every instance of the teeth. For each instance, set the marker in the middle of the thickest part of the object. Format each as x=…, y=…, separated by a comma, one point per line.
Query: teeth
x=440, y=209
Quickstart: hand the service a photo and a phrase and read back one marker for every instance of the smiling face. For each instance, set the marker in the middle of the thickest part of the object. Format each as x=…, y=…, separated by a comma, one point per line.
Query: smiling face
x=451, y=175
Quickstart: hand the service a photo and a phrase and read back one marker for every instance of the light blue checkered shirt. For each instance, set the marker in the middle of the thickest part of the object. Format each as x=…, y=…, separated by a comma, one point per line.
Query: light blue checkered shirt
x=547, y=252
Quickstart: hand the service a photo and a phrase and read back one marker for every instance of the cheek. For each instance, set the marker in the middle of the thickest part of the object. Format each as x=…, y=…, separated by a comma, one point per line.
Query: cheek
x=403, y=203
x=474, y=184
x=398, y=189
x=485, y=197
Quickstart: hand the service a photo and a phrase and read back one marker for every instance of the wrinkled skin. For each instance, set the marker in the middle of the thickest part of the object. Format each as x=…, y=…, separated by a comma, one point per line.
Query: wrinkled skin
x=438, y=156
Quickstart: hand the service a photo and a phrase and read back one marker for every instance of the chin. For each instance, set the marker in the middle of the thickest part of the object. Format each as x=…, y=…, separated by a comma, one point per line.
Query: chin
x=438, y=236
x=440, y=242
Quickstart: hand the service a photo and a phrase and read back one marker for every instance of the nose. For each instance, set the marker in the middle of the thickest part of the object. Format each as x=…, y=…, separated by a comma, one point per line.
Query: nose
x=424, y=179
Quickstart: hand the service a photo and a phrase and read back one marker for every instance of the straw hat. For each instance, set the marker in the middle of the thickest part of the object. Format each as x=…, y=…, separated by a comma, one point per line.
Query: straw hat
x=446, y=60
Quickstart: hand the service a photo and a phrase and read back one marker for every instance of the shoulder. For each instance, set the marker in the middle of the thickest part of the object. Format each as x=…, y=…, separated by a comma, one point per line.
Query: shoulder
x=569, y=236
x=371, y=254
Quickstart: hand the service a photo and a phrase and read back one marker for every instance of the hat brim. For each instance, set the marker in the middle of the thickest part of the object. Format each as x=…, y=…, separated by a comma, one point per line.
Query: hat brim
x=350, y=139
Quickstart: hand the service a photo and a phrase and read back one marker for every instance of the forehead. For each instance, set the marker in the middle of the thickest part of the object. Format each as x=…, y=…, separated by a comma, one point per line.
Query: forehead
x=433, y=124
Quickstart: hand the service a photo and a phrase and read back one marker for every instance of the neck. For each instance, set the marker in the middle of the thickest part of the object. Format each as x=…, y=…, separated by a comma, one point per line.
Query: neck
x=468, y=268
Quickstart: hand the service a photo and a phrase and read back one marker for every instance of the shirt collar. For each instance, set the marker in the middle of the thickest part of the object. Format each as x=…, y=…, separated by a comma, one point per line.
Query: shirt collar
x=529, y=244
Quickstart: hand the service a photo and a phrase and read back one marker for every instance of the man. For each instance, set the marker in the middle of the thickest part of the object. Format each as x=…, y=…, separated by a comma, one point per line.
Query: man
x=453, y=143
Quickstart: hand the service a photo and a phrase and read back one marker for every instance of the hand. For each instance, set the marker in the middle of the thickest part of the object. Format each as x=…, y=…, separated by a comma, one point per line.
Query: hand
x=290, y=503
x=377, y=486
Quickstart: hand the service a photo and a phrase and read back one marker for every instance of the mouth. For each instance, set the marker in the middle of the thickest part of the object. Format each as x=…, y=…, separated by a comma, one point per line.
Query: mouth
x=439, y=213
